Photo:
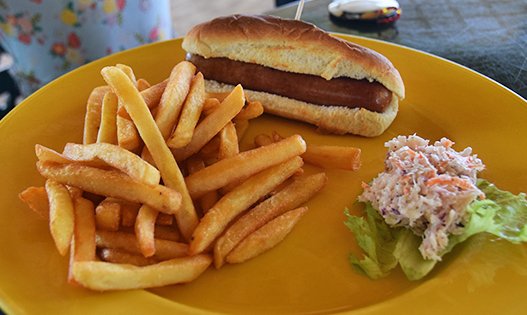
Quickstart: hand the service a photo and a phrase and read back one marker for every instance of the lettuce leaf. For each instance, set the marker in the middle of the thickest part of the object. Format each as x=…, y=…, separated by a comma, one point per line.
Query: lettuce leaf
x=376, y=239
x=407, y=253
x=510, y=219
x=502, y=214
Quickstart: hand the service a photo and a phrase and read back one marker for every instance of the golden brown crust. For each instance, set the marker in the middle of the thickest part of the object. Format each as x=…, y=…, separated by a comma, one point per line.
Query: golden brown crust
x=333, y=119
x=290, y=45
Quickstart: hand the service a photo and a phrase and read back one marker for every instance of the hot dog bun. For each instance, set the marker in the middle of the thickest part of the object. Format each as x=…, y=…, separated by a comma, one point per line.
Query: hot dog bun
x=299, y=47
x=332, y=119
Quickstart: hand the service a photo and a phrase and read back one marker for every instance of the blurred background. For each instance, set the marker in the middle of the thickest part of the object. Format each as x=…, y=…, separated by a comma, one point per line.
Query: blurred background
x=187, y=13
x=47, y=38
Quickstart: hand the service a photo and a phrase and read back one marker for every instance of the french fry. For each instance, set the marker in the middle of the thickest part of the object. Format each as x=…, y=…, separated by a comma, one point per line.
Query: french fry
x=228, y=142
x=144, y=230
x=212, y=124
x=119, y=256
x=239, y=200
x=186, y=216
x=108, y=128
x=36, y=199
x=241, y=121
x=209, y=105
x=128, y=71
x=102, y=276
x=92, y=119
x=75, y=192
x=113, y=184
x=97, y=94
x=108, y=215
x=251, y=111
x=220, y=96
x=127, y=135
x=326, y=156
x=189, y=114
x=142, y=85
x=116, y=157
x=228, y=148
x=129, y=213
x=243, y=165
x=284, y=184
x=262, y=140
x=147, y=157
x=169, y=233
x=293, y=195
x=108, y=172
x=241, y=128
x=210, y=150
x=276, y=136
x=226, y=189
x=210, y=198
x=151, y=96
x=169, y=109
x=61, y=215
x=84, y=234
x=194, y=164
x=266, y=237
x=95, y=198
x=127, y=241
x=82, y=247
x=177, y=89
x=45, y=154
x=164, y=219
x=210, y=160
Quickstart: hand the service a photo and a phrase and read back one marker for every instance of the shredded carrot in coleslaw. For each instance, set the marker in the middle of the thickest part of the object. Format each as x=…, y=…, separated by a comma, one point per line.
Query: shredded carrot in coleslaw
x=425, y=188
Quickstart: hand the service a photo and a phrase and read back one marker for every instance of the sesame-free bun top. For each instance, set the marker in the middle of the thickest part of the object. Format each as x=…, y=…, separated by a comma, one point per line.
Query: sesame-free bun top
x=291, y=46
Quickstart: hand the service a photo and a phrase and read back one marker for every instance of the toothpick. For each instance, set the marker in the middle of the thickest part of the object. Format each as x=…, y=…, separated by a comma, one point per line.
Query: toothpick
x=299, y=10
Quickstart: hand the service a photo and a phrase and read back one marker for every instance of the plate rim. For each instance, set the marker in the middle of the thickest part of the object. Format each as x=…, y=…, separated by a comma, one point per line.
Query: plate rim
x=12, y=305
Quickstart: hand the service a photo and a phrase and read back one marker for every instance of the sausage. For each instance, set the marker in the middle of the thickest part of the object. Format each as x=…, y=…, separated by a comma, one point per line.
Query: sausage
x=303, y=87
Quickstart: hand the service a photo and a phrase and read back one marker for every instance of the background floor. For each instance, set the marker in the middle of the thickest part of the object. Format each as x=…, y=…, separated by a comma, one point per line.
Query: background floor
x=187, y=13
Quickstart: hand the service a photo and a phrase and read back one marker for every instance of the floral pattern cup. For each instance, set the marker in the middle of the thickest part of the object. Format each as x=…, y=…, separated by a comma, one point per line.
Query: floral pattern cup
x=48, y=38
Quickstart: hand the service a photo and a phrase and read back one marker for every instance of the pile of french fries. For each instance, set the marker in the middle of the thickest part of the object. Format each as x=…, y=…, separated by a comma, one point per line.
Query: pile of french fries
x=159, y=189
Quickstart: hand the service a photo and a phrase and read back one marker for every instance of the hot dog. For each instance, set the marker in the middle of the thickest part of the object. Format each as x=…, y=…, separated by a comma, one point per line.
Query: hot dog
x=314, y=89
x=298, y=71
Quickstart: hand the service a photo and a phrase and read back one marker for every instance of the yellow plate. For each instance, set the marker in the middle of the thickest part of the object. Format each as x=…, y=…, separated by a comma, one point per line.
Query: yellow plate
x=308, y=272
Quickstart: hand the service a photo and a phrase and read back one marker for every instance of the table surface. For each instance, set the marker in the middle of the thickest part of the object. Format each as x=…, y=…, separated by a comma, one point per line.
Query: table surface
x=484, y=35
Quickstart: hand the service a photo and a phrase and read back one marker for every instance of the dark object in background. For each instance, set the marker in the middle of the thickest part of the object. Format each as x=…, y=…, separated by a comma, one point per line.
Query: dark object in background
x=282, y=2
x=365, y=15
x=8, y=93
